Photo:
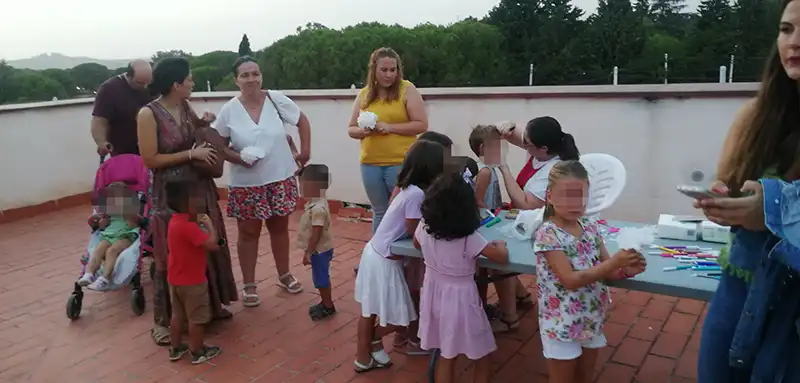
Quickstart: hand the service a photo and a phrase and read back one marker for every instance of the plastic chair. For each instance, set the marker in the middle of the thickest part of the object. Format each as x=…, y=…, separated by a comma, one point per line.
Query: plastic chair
x=607, y=176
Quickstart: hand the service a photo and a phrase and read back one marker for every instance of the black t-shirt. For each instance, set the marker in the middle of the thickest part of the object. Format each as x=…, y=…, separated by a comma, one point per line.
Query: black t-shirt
x=119, y=103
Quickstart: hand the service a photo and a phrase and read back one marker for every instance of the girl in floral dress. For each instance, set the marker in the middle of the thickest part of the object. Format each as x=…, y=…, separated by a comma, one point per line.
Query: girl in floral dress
x=571, y=264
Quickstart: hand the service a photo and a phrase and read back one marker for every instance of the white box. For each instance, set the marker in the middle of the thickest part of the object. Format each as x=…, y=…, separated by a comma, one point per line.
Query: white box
x=669, y=228
x=711, y=232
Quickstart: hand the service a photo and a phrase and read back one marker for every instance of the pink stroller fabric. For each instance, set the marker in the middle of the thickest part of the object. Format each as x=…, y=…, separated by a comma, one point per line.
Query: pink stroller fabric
x=127, y=168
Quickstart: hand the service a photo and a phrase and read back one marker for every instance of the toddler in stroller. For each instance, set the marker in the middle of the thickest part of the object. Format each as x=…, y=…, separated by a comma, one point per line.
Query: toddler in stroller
x=118, y=222
x=119, y=237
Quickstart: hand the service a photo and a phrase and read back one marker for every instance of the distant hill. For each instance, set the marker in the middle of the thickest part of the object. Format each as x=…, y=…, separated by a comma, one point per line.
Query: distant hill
x=59, y=61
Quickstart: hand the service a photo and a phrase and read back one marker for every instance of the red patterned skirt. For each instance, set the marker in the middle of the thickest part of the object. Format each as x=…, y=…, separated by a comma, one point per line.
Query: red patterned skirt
x=277, y=199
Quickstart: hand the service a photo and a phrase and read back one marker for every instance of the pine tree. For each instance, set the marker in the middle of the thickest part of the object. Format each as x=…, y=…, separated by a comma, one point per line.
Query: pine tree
x=244, y=46
x=712, y=39
x=642, y=8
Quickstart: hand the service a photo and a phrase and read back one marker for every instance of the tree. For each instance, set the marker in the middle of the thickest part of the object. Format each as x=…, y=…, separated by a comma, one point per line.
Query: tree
x=244, y=46
x=712, y=39
x=89, y=76
x=617, y=35
x=160, y=55
x=754, y=36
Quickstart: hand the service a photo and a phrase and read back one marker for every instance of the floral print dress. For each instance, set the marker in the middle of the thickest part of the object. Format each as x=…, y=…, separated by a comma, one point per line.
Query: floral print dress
x=567, y=315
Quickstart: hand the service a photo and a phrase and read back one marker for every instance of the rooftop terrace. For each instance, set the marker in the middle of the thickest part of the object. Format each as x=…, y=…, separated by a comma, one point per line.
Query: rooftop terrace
x=662, y=133
x=653, y=338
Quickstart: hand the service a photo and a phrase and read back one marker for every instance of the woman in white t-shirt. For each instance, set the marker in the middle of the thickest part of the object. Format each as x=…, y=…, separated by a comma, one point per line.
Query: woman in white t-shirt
x=262, y=185
x=547, y=144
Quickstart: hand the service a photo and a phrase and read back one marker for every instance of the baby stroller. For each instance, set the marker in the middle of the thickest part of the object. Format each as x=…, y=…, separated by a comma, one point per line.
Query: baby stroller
x=129, y=170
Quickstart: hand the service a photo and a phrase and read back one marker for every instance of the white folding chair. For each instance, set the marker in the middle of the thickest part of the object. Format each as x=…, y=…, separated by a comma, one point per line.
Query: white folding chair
x=607, y=178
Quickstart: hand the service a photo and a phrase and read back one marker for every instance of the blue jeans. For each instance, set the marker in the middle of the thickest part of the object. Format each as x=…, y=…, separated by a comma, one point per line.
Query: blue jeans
x=379, y=182
x=718, y=328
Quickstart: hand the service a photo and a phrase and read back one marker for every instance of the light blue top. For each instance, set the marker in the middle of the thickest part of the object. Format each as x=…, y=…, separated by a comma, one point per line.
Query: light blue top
x=493, y=198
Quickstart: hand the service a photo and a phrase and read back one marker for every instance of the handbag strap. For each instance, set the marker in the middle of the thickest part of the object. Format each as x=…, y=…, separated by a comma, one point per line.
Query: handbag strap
x=277, y=110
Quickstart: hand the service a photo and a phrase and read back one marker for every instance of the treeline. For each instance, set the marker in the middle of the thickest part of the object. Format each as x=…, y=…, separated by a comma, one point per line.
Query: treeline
x=552, y=36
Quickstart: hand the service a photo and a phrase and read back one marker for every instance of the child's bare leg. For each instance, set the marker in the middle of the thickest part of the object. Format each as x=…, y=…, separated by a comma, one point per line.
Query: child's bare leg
x=196, y=334
x=176, y=327
x=562, y=371
x=364, y=336
x=445, y=370
x=97, y=256
x=586, y=364
x=483, y=370
x=112, y=254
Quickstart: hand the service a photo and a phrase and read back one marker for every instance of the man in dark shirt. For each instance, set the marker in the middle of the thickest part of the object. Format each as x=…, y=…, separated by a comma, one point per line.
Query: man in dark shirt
x=116, y=106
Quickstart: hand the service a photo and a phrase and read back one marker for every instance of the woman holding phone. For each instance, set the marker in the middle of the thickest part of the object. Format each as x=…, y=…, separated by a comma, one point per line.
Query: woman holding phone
x=750, y=333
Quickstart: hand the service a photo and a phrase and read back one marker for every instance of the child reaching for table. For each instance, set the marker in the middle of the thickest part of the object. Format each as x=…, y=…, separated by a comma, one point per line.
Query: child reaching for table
x=571, y=264
x=119, y=228
x=381, y=288
x=452, y=318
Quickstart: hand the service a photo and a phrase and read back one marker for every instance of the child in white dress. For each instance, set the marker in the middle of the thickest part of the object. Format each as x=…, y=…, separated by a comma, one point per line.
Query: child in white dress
x=381, y=288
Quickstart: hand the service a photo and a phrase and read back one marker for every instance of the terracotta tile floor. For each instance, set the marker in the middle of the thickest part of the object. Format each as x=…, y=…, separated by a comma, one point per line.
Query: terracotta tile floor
x=652, y=338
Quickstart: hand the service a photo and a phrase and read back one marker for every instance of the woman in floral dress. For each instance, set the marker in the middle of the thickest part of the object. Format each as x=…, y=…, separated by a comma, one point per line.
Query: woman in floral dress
x=165, y=131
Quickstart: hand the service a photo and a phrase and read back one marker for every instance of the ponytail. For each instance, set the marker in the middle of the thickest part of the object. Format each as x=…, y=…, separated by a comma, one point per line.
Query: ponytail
x=569, y=151
x=549, y=211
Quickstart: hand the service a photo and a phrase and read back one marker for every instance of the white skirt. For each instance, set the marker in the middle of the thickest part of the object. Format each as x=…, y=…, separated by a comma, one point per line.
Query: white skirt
x=381, y=289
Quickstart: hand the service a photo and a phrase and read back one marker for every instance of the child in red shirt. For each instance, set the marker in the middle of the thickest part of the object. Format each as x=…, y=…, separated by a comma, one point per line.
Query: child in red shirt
x=189, y=236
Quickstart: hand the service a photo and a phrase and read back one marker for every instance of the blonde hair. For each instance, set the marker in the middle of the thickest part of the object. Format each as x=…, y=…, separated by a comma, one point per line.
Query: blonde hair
x=393, y=92
x=564, y=169
x=479, y=134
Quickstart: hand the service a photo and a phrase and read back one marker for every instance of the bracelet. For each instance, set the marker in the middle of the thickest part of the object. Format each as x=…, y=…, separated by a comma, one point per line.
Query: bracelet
x=190, y=153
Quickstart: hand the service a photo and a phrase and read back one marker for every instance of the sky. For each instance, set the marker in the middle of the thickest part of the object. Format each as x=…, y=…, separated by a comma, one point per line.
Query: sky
x=139, y=28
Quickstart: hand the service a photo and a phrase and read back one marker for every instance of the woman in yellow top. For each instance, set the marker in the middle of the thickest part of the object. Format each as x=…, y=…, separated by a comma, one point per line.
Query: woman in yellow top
x=401, y=117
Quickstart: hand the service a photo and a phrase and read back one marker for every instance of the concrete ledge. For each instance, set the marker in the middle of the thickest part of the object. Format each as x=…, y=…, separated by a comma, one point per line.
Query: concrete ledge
x=649, y=92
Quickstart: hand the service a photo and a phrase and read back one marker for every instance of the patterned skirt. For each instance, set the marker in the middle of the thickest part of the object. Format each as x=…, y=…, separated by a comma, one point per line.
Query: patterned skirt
x=277, y=199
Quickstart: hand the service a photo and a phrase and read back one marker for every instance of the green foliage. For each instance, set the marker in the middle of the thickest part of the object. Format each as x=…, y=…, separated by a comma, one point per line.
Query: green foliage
x=563, y=47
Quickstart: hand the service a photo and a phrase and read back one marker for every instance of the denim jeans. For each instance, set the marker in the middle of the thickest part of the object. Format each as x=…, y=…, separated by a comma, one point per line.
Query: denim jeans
x=379, y=182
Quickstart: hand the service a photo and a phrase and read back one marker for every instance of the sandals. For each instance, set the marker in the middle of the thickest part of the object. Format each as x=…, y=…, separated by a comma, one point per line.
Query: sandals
x=290, y=284
x=320, y=311
x=525, y=302
x=250, y=300
x=413, y=348
x=161, y=336
x=380, y=356
x=502, y=325
x=373, y=364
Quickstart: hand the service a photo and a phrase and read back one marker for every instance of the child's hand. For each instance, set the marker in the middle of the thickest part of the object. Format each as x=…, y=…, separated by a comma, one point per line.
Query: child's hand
x=499, y=243
x=103, y=222
x=204, y=220
x=307, y=259
x=626, y=258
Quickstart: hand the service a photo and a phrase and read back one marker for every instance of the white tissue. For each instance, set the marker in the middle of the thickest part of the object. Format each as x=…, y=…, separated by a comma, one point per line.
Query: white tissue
x=367, y=120
x=525, y=225
x=636, y=238
x=251, y=154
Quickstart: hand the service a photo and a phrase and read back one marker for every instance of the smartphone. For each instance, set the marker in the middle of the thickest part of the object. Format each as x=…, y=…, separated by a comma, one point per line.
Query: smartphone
x=698, y=192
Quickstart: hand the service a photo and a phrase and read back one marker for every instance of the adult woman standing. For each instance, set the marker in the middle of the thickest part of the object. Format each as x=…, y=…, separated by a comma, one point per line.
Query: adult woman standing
x=750, y=333
x=546, y=144
x=401, y=117
x=264, y=190
x=166, y=137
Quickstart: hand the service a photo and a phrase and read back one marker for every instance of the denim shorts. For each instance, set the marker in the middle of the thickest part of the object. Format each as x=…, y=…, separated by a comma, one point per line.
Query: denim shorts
x=321, y=269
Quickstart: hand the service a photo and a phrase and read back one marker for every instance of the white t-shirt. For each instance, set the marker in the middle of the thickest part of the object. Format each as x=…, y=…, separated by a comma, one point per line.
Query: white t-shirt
x=537, y=185
x=269, y=134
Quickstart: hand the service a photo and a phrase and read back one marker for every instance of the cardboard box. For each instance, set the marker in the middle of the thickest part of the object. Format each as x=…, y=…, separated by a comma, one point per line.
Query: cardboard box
x=669, y=228
x=711, y=232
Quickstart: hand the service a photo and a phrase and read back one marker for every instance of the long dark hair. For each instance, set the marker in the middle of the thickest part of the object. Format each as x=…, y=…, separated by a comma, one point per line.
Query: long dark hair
x=423, y=163
x=449, y=208
x=770, y=135
x=546, y=131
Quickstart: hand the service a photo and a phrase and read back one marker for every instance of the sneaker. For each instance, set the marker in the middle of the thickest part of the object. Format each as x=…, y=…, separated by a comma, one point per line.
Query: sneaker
x=176, y=353
x=101, y=284
x=206, y=353
x=320, y=311
x=86, y=280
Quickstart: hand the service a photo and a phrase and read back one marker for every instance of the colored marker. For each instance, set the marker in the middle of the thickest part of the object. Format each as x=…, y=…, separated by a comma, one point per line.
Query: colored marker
x=706, y=268
x=675, y=268
x=493, y=222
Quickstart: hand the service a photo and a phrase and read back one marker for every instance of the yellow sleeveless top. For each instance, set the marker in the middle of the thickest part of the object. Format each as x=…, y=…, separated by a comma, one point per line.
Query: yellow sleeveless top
x=387, y=149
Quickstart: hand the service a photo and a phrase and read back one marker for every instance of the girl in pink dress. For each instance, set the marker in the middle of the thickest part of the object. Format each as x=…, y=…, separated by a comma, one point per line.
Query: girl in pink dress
x=452, y=317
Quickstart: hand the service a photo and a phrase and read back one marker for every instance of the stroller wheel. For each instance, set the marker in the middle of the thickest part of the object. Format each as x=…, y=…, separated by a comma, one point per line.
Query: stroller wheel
x=432, y=365
x=137, y=301
x=74, y=303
